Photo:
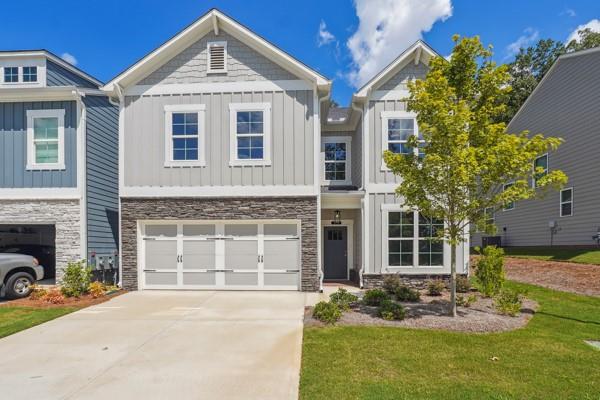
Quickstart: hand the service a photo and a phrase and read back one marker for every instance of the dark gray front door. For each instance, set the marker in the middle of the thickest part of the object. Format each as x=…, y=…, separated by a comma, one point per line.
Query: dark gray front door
x=335, y=254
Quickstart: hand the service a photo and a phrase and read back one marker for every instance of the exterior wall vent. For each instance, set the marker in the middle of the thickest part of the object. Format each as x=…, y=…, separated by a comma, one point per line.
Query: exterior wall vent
x=217, y=57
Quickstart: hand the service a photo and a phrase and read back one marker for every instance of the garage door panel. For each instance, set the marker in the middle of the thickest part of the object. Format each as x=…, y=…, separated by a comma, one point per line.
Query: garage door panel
x=241, y=254
x=281, y=254
x=241, y=278
x=199, y=254
x=200, y=278
x=199, y=230
x=161, y=254
x=281, y=279
x=160, y=278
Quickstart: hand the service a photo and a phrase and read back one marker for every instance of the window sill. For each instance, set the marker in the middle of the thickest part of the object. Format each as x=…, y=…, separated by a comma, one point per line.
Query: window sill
x=249, y=163
x=183, y=164
x=336, y=183
x=45, y=167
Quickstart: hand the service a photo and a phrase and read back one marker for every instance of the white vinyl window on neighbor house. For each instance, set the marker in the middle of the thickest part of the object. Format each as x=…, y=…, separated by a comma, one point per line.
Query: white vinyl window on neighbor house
x=566, y=202
x=185, y=135
x=46, y=139
x=250, y=133
x=397, y=127
x=540, y=162
x=216, y=57
x=336, y=159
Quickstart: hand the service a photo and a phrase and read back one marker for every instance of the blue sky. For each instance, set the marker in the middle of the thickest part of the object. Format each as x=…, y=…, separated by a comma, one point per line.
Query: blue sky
x=106, y=36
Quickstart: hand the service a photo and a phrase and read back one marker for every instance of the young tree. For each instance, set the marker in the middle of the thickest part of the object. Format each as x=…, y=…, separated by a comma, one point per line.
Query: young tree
x=468, y=156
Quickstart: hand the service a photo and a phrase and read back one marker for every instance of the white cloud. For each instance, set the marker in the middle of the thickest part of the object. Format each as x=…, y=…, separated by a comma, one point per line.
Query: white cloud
x=386, y=28
x=594, y=25
x=529, y=36
x=70, y=58
x=324, y=37
x=569, y=12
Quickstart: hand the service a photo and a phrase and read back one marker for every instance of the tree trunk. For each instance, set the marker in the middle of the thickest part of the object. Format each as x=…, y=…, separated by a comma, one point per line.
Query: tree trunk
x=453, y=279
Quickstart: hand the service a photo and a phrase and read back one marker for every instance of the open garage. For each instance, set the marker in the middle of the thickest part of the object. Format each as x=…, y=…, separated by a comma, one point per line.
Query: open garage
x=37, y=240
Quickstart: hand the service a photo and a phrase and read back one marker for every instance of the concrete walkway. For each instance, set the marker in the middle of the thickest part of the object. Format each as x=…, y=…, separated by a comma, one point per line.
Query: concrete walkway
x=162, y=345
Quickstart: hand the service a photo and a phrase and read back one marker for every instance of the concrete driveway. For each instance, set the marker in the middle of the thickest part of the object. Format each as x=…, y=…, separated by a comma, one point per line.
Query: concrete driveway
x=162, y=345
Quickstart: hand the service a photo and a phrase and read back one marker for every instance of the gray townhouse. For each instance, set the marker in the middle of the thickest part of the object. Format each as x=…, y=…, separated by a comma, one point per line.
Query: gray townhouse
x=565, y=104
x=235, y=173
x=58, y=163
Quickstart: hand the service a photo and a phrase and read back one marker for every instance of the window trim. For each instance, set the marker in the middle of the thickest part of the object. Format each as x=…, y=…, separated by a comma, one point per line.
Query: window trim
x=347, y=140
x=31, y=162
x=560, y=202
x=23, y=73
x=266, y=110
x=385, y=210
x=513, y=203
x=209, y=70
x=18, y=75
x=200, y=109
x=385, y=117
x=533, y=180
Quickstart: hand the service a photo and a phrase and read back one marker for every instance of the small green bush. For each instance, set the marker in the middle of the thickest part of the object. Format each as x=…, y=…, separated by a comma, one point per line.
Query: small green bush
x=374, y=297
x=76, y=279
x=462, y=284
x=404, y=293
x=489, y=272
x=509, y=302
x=343, y=299
x=391, y=311
x=435, y=287
x=327, y=312
x=391, y=283
x=466, y=301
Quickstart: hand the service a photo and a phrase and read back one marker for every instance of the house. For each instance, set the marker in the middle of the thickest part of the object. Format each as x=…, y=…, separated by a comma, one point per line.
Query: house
x=58, y=163
x=564, y=104
x=236, y=174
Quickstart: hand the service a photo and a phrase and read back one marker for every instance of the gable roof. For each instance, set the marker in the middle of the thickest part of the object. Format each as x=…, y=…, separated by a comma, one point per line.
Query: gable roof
x=52, y=57
x=213, y=20
x=422, y=52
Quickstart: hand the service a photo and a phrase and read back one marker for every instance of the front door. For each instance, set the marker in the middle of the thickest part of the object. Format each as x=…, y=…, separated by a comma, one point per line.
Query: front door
x=336, y=252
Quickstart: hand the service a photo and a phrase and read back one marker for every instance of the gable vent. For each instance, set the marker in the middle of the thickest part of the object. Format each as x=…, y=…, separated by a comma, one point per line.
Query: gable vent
x=217, y=57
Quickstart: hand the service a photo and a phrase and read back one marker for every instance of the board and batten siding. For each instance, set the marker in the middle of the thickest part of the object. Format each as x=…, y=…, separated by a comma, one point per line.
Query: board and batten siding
x=57, y=75
x=292, y=141
x=102, y=183
x=13, y=147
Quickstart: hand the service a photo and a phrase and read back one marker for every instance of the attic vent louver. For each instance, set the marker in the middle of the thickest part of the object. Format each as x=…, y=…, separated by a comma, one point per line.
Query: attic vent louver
x=217, y=57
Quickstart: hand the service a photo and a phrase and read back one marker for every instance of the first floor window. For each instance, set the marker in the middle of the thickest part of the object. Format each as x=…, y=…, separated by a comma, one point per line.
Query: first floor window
x=29, y=74
x=45, y=136
x=185, y=130
x=431, y=247
x=250, y=133
x=11, y=74
x=401, y=234
x=566, y=202
x=540, y=164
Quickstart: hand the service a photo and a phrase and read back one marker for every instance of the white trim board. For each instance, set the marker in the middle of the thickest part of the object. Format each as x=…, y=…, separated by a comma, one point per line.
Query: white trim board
x=219, y=191
x=40, y=194
x=217, y=87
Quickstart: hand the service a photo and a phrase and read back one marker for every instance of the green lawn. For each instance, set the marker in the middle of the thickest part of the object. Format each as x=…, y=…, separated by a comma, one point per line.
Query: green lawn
x=545, y=360
x=584, y=256
x=15, y=319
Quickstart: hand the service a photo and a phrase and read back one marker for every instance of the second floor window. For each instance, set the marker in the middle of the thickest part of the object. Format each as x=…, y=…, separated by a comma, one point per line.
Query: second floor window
x=184, y=125
x=399, y=130
x=511, y=204
x=250, y=133
x=336, y=158
x=45, y=139
x=566, y=202
x=29, y=74
x=540, y=163
x=11, y=74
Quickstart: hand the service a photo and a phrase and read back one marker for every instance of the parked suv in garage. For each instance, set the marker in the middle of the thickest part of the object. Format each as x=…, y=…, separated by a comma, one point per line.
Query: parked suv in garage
x=17, y=273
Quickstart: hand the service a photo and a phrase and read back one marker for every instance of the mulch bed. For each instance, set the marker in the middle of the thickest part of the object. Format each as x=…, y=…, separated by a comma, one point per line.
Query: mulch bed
x=432, y=313
x=78, y=302
x=569, y=277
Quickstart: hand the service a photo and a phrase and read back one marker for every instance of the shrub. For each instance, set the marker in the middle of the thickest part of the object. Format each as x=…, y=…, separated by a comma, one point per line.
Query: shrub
x=343, y=299
x=327, y=312
x=374, y=297
x=489, y=272
x=96, y=289
x=462, y=284
x=37, y=292
x=76, y=279
x=466, y=301
x=435, y=287
x=404, y=293
x=509, y=302
x=391, y=283
x=54, y=296
x=391, y=311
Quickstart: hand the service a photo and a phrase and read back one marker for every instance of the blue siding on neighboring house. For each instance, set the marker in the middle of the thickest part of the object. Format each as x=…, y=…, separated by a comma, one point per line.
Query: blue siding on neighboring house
x=13, y=147
x=102, y=187
x=59, y=76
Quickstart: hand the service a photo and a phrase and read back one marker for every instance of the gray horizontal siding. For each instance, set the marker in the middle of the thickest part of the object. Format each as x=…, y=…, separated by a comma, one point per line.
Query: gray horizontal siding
x=292, y=141
x=13, y=147
x=59, y=76
x=102, y=184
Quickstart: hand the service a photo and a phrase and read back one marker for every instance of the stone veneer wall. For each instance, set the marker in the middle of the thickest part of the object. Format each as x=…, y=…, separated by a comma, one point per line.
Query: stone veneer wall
x=65, y=215
x=302, y=208
x=371, y=281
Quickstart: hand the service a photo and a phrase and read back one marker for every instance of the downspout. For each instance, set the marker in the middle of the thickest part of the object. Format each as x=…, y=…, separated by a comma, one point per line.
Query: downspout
x=362, y=201
x=121, y=97
x=82, y=171
x=318, y=186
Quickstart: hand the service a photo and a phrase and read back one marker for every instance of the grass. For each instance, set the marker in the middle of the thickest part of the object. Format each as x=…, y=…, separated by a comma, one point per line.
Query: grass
x=545, y=360
x=583, y=256
x=15, y=319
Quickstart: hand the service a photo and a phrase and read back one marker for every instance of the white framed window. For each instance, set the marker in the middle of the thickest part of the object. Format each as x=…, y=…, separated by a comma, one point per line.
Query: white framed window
x=410, y=239
x=46, y=139
x=11, y=74
x=540, y=162
x=185, y=139
x=30, y=74
x=511, y=204
x=397, y=127
x=337, y=160
x=250, y=133
x=216, y=53
x=566, y=202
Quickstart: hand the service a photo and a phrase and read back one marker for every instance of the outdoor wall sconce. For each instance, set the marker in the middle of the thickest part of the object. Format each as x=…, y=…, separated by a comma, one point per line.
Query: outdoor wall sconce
x=337, y=218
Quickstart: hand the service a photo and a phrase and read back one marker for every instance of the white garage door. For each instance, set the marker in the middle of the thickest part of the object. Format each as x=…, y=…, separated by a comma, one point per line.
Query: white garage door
x=221, y=255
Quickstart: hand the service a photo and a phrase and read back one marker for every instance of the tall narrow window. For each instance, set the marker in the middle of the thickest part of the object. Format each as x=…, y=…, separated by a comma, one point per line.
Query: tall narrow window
x=217, y=57
x=250, y=133
x=511, y=204
x=540, y=164
x=401, y=238
x=431, y=248
x=11, y=74
x=566, y=202
x=184, y=126
x=490, y=217
x=30, y=74
x=45, y=137
x=336, y=154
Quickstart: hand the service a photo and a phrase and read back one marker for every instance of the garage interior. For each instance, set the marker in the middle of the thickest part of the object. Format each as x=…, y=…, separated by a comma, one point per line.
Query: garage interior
x=37, y=240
